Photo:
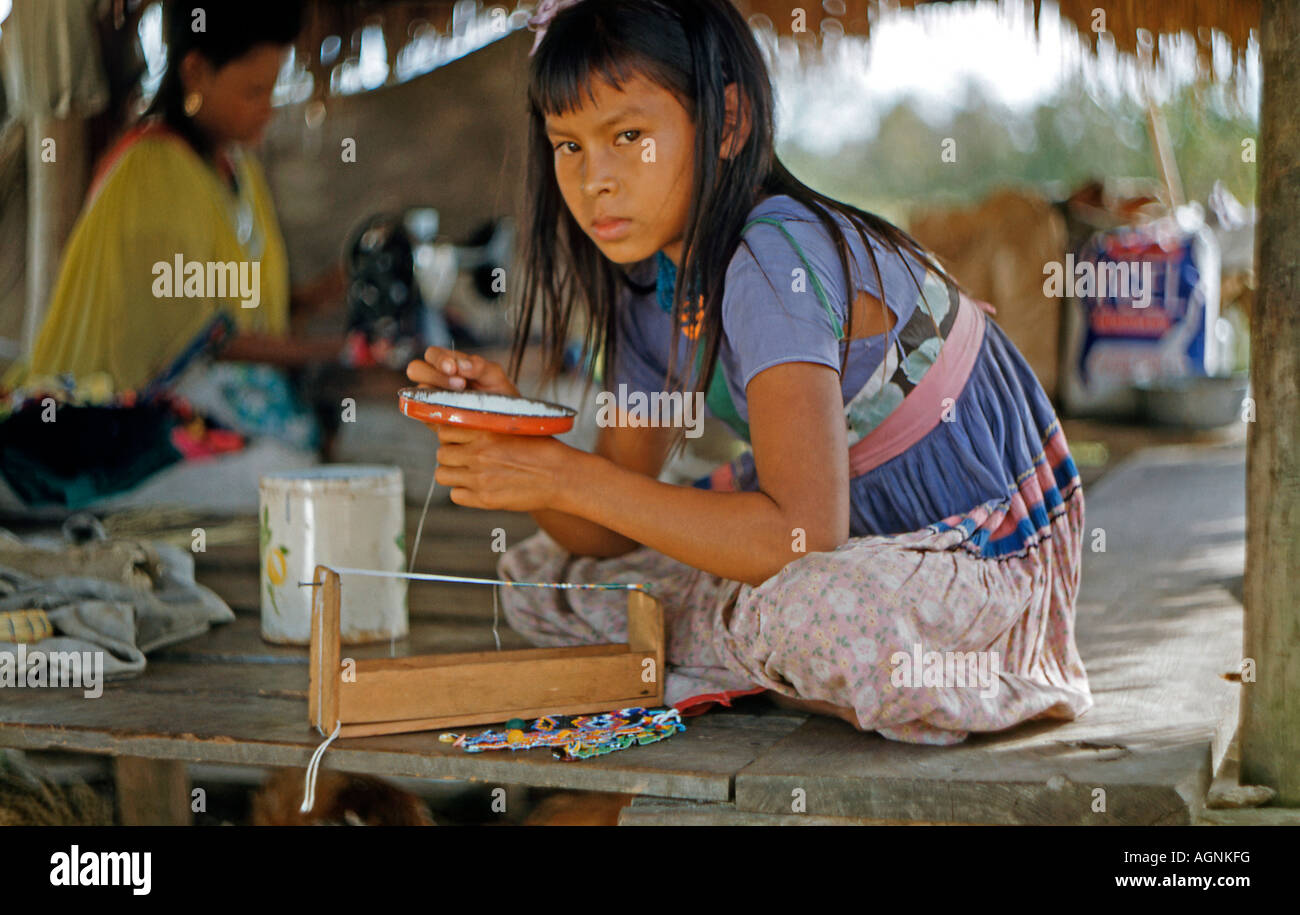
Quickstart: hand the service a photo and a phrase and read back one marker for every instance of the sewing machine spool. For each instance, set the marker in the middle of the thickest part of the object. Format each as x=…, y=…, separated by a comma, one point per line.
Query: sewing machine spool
x=489, y=412
x=431, y=692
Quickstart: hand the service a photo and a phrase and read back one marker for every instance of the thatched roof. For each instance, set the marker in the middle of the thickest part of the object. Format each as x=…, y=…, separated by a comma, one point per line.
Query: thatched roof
x=1125, y=19
x=1131, y=24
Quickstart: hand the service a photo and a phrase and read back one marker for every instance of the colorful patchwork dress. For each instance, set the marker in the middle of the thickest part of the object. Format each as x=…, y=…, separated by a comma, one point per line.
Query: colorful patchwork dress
x=966, y=518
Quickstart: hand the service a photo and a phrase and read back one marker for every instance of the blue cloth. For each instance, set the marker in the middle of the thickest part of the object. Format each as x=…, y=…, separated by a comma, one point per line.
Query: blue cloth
x=771, y=315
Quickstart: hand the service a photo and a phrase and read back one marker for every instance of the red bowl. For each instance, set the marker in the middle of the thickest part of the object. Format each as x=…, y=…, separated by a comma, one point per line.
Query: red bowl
x=449, y=414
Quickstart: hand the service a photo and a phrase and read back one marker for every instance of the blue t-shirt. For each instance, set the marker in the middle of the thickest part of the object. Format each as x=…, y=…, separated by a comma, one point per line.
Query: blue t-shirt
x=771, y=314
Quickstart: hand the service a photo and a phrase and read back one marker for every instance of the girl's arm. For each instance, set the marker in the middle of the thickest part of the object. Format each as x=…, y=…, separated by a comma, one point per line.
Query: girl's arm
x=796, y=420
x=797, y=430
x=639, y=451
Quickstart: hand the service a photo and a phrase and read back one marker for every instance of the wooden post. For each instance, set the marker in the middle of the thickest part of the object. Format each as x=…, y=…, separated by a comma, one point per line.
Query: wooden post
x=323, y=694
x=1270, y=712
x=58, y=170
x=1166, y=161
x=645, y=636
x=152, y=792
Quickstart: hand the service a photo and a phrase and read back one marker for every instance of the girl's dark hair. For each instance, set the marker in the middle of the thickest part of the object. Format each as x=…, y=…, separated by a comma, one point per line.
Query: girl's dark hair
x=694, y=49
x=231, y=28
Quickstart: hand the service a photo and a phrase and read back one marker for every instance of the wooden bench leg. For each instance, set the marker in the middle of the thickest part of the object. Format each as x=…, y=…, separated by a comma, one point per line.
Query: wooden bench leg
x=152, y=792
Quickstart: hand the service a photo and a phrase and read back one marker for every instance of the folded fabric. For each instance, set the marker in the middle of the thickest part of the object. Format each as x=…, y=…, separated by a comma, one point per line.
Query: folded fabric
x=129, y=562
x=573, y=737
x=145, y=598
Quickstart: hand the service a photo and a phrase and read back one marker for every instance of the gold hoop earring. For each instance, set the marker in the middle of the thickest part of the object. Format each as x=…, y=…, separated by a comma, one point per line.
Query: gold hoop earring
x=193, y=102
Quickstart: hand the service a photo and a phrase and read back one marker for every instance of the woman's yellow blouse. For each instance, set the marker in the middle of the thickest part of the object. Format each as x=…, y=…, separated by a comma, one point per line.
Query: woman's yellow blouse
x=159, y=200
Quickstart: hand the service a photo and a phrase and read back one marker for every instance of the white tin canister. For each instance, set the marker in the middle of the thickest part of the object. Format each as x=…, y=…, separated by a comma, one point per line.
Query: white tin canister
x=347, y=515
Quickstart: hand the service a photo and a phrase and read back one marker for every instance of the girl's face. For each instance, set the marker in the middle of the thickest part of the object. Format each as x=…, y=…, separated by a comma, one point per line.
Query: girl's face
x=625, y=168
x=236, y=97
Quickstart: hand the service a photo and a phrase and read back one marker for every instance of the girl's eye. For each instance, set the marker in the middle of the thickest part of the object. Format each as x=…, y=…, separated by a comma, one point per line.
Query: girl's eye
x=560, y=147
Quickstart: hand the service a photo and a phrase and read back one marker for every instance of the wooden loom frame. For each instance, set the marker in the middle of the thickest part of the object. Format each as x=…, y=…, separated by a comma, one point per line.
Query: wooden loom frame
x=431, y=692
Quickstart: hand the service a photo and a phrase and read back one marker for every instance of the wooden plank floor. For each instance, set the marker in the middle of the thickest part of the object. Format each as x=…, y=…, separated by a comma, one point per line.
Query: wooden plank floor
x=1159, y=625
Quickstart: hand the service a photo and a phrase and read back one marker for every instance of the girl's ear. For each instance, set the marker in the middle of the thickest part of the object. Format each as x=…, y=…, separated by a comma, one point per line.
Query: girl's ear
x=736, y=127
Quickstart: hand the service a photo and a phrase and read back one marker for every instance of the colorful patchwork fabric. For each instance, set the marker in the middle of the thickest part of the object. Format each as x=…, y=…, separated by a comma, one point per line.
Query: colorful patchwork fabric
x=1009, y=526
x=573, y=737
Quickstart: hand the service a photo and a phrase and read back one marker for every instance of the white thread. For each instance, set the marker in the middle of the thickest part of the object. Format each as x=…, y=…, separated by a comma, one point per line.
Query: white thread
x=415, y=549
x=313, y=767
x=461, y=579
x=495, y=634
x=419, y=529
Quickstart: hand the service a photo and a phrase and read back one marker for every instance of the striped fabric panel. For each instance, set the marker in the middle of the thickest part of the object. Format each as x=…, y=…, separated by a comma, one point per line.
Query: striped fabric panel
x=1012, y=525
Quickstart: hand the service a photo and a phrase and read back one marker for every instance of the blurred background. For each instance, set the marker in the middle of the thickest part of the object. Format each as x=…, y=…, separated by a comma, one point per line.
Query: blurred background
x=1004, y=135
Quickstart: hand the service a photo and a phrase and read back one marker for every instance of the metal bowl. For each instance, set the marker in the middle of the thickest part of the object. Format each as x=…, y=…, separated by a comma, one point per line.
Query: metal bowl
x=1195, y=403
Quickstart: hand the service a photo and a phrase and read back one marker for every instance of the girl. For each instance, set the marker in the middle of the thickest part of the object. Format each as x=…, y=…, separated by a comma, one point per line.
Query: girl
x=901, y=545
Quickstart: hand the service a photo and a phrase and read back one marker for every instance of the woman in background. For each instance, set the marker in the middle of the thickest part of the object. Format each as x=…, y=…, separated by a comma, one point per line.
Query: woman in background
x=130, y=313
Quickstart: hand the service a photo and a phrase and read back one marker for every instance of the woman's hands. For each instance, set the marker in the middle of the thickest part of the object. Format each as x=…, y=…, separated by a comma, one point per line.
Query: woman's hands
x=520, y=473
x=453, y=371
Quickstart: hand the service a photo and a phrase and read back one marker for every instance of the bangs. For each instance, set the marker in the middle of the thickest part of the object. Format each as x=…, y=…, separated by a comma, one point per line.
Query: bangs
x=566, y=84
x=563, y=71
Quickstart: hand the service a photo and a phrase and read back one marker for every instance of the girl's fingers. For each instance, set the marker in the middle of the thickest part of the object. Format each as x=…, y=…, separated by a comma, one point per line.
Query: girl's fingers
x=487, y=375
x=450, y=370
x=452, y=476
x=476, y=366
x=425, y=373
x=440, y=368
x=457, y=435
x=451, y=363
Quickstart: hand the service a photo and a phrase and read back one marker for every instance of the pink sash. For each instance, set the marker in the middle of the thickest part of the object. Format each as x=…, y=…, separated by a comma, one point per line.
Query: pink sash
x=923, y=408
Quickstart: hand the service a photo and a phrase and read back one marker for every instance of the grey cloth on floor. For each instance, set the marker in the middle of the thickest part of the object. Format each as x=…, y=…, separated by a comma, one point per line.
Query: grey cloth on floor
x=124, y=621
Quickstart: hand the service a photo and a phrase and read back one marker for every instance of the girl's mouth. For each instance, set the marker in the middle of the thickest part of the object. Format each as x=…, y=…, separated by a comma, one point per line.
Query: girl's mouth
x=611, y=229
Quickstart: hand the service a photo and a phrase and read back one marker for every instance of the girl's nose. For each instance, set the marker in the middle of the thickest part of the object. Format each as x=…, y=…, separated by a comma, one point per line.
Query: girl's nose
x=599, y=175
x=594, y=185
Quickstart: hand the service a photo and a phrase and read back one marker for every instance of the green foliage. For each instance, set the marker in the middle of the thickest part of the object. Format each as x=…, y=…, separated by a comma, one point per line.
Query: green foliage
x=1070, y=139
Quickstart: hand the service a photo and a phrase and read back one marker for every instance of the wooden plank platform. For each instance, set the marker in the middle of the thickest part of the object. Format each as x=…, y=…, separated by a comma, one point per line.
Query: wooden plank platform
x=256, y=715
x=1159, y=624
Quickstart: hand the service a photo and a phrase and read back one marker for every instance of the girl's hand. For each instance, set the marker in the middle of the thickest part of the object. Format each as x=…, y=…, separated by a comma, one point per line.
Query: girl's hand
x=453, y=371
x=520, y=473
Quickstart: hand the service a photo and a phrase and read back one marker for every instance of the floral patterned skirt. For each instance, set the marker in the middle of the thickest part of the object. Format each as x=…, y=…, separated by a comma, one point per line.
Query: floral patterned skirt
x=923, y=640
